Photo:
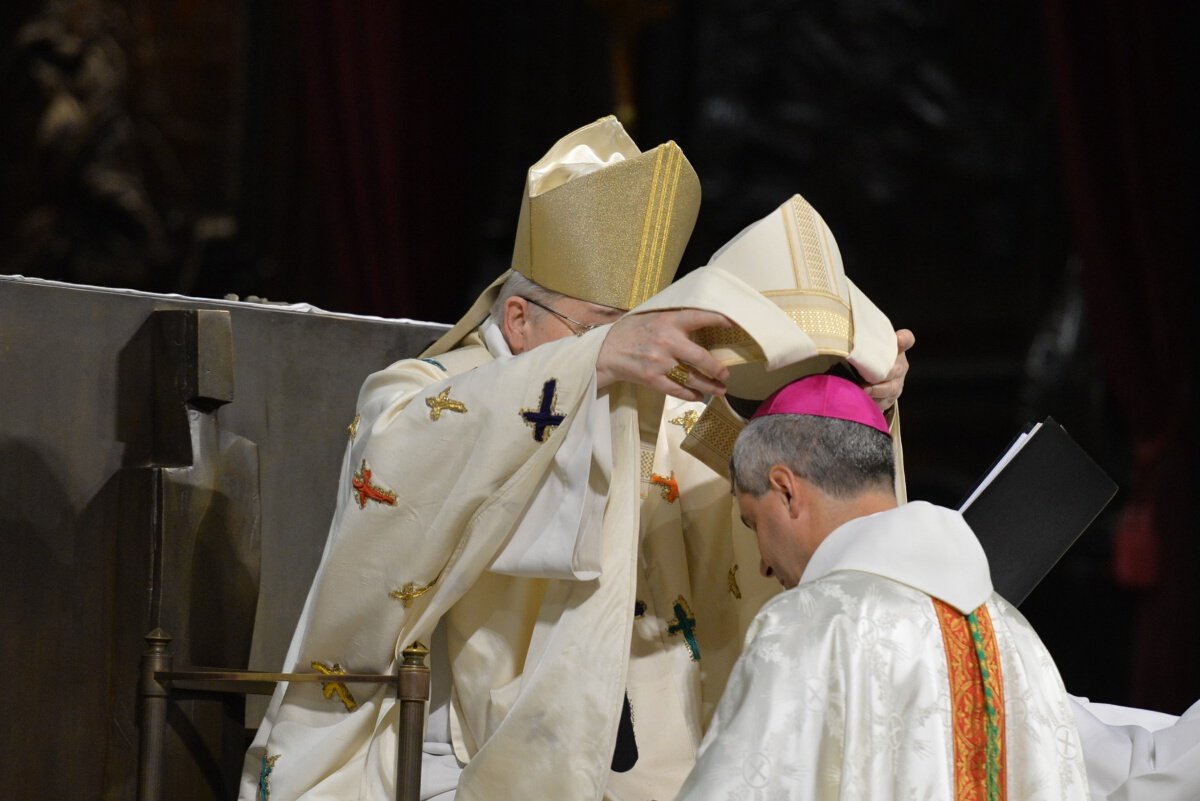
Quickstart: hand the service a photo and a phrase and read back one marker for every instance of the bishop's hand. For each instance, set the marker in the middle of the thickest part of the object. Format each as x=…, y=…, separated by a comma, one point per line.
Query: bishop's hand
x=655, y=350
x=887, y=392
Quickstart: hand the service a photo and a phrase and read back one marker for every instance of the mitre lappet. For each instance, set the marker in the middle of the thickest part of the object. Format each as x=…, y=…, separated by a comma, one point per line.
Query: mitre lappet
x=600, y=221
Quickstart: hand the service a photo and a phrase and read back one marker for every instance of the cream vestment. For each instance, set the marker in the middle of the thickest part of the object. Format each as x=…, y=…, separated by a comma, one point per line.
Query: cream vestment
x=844, y=690
x=540, y=663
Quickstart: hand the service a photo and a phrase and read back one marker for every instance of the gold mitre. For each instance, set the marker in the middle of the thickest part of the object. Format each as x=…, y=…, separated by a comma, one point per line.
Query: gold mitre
x=600, y=221
x=796, y=313
x=604, y=222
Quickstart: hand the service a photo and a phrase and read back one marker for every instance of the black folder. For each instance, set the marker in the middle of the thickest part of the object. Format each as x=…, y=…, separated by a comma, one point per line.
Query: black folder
x=1035, y=507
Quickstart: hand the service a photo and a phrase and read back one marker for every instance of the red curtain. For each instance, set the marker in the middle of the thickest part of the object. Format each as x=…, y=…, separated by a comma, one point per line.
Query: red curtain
x=1124, y=105
x=386, y=91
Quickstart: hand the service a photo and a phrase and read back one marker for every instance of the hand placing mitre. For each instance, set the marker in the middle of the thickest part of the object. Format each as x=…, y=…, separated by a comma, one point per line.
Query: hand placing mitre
x=655, y=350
x=887, y=391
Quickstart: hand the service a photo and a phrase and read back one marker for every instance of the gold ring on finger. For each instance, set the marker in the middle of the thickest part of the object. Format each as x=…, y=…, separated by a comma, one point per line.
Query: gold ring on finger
x=680, y=374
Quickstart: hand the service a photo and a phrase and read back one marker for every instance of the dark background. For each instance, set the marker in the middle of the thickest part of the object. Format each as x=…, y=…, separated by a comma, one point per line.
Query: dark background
x=1015, y=183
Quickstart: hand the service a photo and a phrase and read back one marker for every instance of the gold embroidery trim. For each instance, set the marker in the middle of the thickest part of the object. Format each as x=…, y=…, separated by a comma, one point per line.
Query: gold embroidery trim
x=660, y=207
x=686, y=420
x=352, y=429
x=716, y=432
x=331, y=688
x=410, y=592
x=802, y=225
x=647, y=463
x=731, y=583
x=444, y=403
x=817, y=323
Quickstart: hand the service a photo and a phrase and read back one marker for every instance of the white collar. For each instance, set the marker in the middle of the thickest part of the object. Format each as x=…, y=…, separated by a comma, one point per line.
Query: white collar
x=493, y=339
x=927, y=547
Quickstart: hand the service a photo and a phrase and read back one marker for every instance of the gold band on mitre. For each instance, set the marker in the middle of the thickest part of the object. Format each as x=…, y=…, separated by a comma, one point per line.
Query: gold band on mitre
x=603, y=222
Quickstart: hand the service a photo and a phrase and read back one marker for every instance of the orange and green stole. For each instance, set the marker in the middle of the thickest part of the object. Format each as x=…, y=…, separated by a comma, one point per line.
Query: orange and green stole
x=976, y=701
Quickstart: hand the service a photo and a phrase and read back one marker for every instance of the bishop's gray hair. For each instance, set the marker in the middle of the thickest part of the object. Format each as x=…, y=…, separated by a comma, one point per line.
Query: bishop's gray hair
x=841, y=458
x=518, y=285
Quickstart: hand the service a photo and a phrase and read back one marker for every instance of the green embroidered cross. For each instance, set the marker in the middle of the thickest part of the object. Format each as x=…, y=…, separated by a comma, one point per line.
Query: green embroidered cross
x=264, y=777
x=683, y=623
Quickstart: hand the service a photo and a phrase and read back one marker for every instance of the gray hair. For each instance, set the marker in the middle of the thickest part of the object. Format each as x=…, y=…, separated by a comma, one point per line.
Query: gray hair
x=841, y=458
x=518, y=285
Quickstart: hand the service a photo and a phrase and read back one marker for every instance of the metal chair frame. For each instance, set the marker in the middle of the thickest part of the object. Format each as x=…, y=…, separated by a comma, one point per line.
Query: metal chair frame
x=411, y=681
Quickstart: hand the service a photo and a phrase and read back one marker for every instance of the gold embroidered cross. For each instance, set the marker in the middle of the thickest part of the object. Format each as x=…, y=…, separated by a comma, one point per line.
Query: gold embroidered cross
x=670, y=487
x=686, y=420
x=330, y=688
x=365, y=491
x=352, y=429
x=409, y=592
x=444, y=403
x=734, y=589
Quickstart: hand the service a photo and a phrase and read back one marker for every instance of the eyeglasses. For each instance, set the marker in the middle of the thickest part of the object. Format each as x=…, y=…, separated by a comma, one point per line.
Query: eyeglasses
x=571, y=323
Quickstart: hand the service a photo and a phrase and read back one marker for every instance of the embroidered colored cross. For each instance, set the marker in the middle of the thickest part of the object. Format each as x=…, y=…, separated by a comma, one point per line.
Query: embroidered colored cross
x=683, y=623
x=408, y=592
x=670, y=487
x=352, y=429
x=444, y=403
x=330, y=688
x=545, y=417
x=264, y=777
x=686, y=420
x=365, y=491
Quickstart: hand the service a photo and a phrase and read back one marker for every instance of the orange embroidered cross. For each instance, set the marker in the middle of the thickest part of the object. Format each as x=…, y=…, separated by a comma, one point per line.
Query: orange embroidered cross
x=331, y=688
x=444, y=403
x=365, y=491
x=670, y=487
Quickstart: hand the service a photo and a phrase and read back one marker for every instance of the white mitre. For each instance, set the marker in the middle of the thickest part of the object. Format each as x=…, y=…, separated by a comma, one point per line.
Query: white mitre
x=795, y=311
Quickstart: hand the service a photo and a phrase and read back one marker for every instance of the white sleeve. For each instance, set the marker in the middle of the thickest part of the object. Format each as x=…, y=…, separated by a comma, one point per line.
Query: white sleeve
x=560, y=533
x=1139, y=755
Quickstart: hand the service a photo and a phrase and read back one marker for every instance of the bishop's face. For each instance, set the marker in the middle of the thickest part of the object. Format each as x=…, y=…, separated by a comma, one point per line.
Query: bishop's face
x=776, y=526
x=561, y=318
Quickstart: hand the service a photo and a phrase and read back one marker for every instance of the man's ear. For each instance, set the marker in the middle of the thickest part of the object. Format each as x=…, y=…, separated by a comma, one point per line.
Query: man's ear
x=515, y=323
x=781, y=479
x=793, y=489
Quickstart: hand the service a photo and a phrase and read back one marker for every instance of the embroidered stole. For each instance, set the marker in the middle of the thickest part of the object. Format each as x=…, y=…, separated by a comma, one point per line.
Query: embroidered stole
x=977, y=703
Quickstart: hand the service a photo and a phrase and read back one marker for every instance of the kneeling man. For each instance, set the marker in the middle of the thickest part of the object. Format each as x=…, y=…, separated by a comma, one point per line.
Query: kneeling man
x=889, y=669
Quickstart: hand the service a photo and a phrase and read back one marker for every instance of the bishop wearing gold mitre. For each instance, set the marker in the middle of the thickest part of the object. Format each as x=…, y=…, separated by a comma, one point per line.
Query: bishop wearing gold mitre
x=519, y=497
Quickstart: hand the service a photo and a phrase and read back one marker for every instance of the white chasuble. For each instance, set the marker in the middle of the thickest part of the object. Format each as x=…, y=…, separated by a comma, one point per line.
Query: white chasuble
x=444, y=457
x=844, y=691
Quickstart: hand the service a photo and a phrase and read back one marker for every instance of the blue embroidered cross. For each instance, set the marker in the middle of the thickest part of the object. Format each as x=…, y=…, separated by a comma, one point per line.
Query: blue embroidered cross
x=544, y=418
x=683, y=623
